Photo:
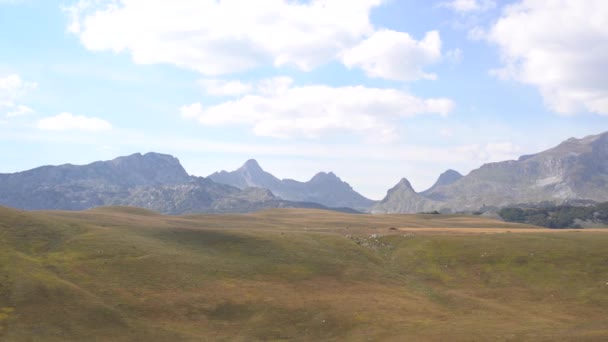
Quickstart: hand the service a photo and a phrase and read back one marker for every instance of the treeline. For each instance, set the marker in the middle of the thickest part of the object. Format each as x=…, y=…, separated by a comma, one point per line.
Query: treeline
x=562, y=216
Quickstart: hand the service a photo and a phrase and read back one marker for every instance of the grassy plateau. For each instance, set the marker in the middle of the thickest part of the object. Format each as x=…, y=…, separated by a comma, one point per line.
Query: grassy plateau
x=127, y=274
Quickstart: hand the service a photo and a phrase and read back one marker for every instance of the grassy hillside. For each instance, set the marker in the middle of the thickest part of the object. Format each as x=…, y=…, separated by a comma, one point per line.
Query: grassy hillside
x=124, y=274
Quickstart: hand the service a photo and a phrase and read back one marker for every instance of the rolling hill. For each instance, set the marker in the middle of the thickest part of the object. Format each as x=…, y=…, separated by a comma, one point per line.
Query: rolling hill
x=125, y=274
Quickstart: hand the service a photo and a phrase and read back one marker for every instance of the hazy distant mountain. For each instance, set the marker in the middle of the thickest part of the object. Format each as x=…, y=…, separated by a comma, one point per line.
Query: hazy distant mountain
x=575, y=170
x=323, y=188
x=403, y=199
x=446, y=178
x=80, y=187
x=154, y=181
x=248, y=175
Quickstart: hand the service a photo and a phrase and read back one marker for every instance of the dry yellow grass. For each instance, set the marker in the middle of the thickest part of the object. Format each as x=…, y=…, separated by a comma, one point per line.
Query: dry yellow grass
x=126, y=274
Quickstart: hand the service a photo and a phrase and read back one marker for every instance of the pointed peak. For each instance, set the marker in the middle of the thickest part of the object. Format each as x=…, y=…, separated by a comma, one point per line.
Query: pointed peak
x=450, y=173
x=404, y=184
x=448, y=177
x=251, y=164
x=403, y=187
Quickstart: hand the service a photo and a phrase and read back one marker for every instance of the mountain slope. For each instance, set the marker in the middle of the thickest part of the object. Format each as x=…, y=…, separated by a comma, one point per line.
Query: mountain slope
x=446, y=178
x=324, y=188
x=576, y=169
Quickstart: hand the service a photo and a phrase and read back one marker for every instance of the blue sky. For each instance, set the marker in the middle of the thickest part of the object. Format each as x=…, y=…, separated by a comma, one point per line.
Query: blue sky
x=372, y=90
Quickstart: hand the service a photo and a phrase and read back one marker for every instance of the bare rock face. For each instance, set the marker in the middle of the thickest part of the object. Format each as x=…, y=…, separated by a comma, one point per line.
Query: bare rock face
x=575, y=170
x=324, y=188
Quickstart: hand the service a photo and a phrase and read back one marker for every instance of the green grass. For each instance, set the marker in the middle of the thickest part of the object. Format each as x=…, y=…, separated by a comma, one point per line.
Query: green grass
x=126, y=274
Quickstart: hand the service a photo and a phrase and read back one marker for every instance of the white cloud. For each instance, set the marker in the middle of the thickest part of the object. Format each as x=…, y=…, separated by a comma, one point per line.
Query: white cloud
x=278, y=109
x=455, y=56
x=477, y=33
x=467, y=6
x=12, y=87
x=70, y=122
x=395, y=55
x=476, y=153
x=191, y=111
x=446, y=132
x=217, y=87
x=219, y=37
x=224, y=88
x=19, y=110
x=231, y=36
x=499, y=151
x=561, y=47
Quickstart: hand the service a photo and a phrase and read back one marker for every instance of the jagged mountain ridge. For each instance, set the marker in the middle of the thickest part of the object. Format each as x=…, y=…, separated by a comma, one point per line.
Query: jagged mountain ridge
x=153, y=181
x=575, y=170
x=324, y=188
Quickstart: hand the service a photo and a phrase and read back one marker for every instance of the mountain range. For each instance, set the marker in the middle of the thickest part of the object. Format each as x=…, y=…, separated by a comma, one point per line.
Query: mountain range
x=324, y=188
x=575, y=171
x=154, y=181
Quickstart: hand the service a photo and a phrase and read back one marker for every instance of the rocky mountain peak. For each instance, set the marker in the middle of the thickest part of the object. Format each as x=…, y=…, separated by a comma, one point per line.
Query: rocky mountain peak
x=448, y=177
x=404, y=185
x=403, y=198
x=147, y=169
x=325, y=188
x=148, y=158
x=325, y=177
x=576, y=169
x=252, y=165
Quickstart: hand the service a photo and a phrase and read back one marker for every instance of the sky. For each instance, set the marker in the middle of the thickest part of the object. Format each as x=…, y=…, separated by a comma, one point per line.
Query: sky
x=373, y=90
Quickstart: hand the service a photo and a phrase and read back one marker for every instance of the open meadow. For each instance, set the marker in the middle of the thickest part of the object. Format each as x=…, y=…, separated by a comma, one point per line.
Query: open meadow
x=127, y=274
